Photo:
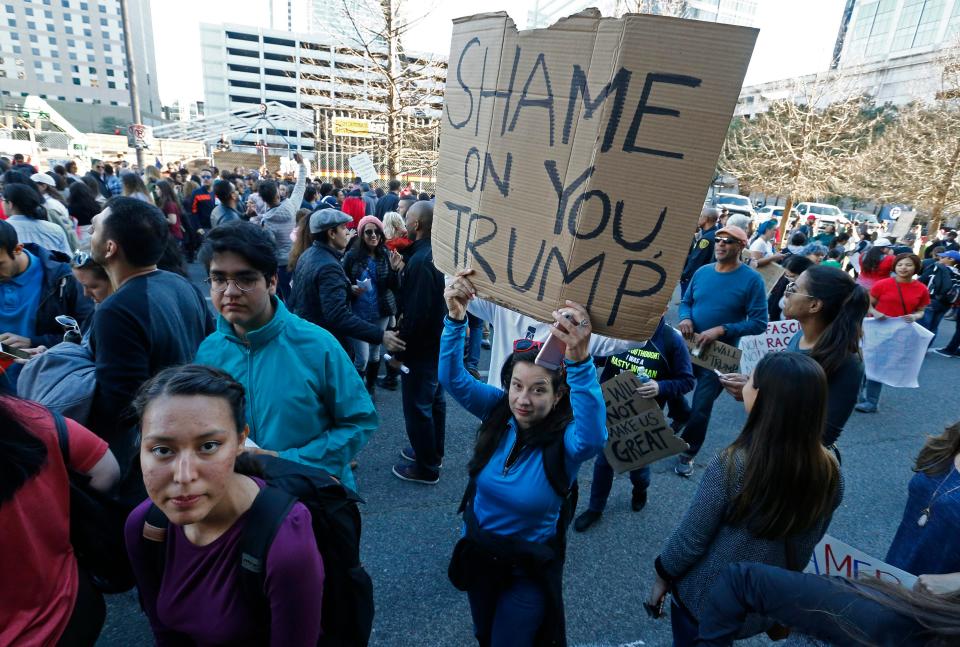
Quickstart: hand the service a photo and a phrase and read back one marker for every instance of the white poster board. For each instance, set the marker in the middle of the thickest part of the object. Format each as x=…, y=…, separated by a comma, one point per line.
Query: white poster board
x=362, y=166
x=775, y=339
x=833, y=557
x=893, y=350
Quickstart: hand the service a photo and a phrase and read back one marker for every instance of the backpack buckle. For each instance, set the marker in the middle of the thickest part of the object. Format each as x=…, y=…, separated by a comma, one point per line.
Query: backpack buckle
x=251, y=563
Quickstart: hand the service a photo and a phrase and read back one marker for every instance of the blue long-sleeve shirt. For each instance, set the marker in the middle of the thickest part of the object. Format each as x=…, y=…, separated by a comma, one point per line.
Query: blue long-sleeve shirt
x=520, y=501
x=736, y=300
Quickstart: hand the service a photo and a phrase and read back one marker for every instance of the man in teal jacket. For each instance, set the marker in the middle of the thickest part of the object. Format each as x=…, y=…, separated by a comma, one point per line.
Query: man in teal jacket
x=305, y=400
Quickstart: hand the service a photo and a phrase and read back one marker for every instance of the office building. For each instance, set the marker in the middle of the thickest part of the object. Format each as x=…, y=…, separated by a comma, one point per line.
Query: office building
x=245, y=67
x=737, y=12
x=328, y=19
x=71, y=54
x=887, y=49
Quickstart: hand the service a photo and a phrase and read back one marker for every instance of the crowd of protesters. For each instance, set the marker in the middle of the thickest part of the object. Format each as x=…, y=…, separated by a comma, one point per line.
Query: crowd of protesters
x=178, y=412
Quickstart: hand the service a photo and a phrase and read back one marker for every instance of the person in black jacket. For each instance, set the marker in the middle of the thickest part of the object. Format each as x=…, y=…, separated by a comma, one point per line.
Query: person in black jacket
x=321, y=290
x=389, y=201
x=37, y=285
x=701, y=249
x=422, y=309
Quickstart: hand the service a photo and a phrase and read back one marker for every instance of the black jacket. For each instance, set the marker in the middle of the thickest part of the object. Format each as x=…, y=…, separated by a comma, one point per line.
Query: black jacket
x=62, y=295
x=701, y=253
x=321, y=294
x=387, y=280
x=422, y=307
x=388, y=202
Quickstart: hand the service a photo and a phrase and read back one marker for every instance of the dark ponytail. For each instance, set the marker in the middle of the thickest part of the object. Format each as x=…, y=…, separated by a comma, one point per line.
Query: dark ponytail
x=845, y=304
x=26, y=201
x=22, y=455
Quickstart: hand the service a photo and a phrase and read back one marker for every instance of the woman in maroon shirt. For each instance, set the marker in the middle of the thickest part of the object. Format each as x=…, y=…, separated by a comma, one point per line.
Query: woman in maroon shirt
x=193, y=430
x=898, y=296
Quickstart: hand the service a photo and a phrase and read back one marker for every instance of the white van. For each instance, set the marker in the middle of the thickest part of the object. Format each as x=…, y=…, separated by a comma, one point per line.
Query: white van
x=827, y=214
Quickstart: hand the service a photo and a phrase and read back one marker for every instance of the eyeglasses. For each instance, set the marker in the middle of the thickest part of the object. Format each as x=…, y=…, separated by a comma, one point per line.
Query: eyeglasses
x=206, y=177
x=726, y=241
x=526, y=344
x=792, y=289
x=81, y=258
x=244, y=283
x=372, y=233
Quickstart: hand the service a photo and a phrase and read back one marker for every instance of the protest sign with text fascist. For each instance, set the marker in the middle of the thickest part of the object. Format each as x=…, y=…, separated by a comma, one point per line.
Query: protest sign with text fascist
x=574, y=160
x=637, y=430
x=775, y=339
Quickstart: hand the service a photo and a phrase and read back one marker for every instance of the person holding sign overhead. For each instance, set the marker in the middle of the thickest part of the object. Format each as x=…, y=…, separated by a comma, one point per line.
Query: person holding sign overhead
x=665, y=363
x=535, y=432
x=725, y=301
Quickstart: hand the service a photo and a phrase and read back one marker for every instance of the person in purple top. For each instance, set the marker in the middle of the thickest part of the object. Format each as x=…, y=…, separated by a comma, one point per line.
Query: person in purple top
x=193, y=430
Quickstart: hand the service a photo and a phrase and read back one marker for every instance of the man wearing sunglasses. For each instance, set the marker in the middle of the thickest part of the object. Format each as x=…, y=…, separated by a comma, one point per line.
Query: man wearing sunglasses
x=725, y=301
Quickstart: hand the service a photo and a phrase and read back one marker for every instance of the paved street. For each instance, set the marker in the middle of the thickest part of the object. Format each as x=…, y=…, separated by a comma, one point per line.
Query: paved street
x=410, y=530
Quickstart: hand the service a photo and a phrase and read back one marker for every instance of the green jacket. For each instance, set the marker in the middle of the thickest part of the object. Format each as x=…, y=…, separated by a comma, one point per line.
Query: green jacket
x=304, y=397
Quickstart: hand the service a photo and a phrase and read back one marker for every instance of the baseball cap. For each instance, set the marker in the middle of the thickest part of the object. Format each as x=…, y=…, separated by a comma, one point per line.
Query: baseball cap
x=324, y=219
x=736, y=232
x=43, y=178
x=955, y=255
x=811, y=217
x=882, y=242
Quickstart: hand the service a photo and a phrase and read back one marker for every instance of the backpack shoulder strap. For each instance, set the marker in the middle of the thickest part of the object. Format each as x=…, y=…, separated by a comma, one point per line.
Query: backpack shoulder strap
x=153, y=540
x=63, y=439
x=266, y=515
x=555, y=467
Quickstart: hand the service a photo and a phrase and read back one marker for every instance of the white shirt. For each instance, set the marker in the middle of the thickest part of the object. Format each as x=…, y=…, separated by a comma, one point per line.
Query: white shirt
x=762, y=246
x=509, y=326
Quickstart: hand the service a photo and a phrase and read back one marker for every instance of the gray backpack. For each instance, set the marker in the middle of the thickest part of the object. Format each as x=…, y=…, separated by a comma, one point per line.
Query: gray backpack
x=62, y=379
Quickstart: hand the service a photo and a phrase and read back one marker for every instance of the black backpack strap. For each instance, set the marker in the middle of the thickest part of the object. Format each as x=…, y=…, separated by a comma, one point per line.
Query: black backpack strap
x=62, y=438
x=555, y=467
x=266, y=515
x=153, y=540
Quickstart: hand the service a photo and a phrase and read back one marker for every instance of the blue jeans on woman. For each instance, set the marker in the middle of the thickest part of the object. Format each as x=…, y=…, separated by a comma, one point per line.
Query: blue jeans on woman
x=508, y=617
x=685, y=626
x=932, y=317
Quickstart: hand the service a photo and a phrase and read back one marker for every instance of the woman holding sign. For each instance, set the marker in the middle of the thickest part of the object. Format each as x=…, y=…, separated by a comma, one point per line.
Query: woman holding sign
x=535, y=433
x=767, y=498
x=830, y=307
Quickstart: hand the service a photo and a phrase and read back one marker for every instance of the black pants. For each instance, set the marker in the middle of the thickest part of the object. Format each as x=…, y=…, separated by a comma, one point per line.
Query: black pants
x=424, y=412
x=89, y=612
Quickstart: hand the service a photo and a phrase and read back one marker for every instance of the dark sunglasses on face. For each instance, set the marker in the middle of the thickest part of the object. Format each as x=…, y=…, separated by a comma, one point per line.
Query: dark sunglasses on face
x=727, y=241
x=372, y=233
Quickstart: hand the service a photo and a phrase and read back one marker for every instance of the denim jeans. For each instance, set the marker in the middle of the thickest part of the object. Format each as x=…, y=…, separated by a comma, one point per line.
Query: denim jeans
x=363, y=352
x=603, y=481
x=510, y=616
x=684, y=625
x=870, y=392
x=424, y=412
x=932, y=317
x=704, y=395
x=475, y=324
x=953, y=346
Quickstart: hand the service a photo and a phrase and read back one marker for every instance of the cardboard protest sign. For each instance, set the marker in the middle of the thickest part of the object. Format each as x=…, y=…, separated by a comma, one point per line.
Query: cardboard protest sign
x=904, y=222
x=893, y=350
x=776, y=338
x=637, y=430
x=574, y=159
x=362, y=165
x=771, y=273
x=833, y=557
x=715, y=356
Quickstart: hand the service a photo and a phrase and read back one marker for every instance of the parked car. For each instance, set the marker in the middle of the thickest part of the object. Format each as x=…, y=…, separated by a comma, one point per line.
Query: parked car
x=734, y=203
x=827, y=214
x=862, y=218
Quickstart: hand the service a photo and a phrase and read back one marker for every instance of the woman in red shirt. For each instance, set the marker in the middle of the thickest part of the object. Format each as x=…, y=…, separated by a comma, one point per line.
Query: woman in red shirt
x=46, y=600
x=898, y=296
x=876, y=264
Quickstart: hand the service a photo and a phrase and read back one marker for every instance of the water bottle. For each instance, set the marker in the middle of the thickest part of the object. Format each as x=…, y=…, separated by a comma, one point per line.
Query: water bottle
x=643, y=377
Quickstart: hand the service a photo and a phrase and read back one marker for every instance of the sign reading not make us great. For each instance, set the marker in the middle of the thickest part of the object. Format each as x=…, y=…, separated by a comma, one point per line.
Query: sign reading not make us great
x=574, y=159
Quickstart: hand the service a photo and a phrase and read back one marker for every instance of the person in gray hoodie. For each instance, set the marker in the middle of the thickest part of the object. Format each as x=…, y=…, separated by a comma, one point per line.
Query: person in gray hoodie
x=280, y=218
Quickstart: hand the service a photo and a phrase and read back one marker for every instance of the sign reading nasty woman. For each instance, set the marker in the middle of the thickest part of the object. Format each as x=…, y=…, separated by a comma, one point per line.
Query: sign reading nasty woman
x=574, y=160
x=637, y=430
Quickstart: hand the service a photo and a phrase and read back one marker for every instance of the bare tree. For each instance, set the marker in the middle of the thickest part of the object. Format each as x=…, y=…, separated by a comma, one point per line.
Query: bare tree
x=676, y=8
x=800, y=145
x=917, y=160
x=398, y=88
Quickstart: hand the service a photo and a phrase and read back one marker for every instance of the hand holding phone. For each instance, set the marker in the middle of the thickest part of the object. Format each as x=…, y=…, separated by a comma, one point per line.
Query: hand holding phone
x=15, y=353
